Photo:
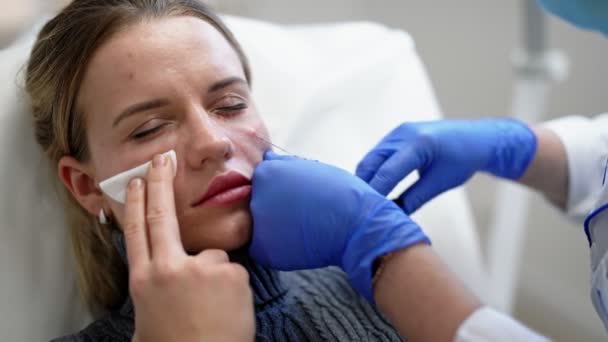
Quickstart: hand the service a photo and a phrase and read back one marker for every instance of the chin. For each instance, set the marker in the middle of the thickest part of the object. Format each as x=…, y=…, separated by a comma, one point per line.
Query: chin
x=227, y=232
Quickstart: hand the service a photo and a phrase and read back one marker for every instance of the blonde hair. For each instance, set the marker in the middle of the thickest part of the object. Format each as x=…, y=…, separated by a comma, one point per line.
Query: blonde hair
x=54, y=74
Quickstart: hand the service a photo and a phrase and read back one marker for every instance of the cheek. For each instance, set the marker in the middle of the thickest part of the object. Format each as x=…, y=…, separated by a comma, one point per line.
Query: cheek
x=250, y=143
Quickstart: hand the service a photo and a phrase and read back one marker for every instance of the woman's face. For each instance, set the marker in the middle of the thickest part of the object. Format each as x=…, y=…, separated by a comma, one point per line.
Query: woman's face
x=176, y=84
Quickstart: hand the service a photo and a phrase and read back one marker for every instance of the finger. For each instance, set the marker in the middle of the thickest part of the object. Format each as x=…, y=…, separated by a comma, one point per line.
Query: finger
x=396, y=168
x=160, y=215
x=213, y=256
x=134, y=230
x=368, y=166
x=425, y=189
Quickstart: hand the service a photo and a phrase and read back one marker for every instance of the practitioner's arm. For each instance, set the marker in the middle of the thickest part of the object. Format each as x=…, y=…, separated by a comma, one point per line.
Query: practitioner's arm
x=421, y=297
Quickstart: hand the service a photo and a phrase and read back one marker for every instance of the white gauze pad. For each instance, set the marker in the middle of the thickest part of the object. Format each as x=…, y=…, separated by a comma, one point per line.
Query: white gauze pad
x=116, y=187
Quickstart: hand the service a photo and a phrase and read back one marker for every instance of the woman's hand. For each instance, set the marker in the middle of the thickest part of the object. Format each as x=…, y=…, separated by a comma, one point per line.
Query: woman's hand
x=178, y=297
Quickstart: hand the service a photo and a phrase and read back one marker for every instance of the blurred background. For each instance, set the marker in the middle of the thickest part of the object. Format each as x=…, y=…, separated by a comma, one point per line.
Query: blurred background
x=467, y=47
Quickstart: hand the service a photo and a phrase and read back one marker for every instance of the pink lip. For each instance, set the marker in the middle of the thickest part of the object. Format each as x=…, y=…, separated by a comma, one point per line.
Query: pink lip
x=225, y=189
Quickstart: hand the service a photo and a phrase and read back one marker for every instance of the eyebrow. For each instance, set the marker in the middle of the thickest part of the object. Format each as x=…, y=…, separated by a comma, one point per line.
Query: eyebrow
x=159, y=103
x=140, y=107
x=217, y=86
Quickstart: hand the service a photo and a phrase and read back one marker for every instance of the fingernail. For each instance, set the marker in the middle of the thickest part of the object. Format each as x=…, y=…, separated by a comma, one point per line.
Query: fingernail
x=159, y=161
x=136, y=183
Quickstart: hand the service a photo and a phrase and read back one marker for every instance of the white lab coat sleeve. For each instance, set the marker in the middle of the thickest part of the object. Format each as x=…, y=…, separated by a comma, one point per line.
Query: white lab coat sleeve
x=487, y=324
x=586, y=143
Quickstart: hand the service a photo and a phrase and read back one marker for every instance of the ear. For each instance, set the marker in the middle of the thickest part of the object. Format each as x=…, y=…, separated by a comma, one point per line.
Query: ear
x=78, y=179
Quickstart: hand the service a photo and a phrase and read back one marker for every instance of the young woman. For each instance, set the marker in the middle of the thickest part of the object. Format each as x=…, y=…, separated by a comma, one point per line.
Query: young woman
x=115, y=83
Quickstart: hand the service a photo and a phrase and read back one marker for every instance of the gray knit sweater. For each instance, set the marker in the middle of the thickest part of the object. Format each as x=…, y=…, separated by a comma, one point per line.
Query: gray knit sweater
x=311, y=305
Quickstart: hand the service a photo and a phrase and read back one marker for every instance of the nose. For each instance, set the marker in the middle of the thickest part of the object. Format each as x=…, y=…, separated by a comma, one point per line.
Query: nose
x=207, y=142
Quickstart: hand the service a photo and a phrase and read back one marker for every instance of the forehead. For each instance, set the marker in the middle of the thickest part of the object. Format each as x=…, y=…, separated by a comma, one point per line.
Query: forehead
x=156, y=53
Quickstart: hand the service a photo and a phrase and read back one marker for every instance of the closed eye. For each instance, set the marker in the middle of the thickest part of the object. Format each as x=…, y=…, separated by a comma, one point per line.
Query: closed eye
x=148, y=132
x=231, y=110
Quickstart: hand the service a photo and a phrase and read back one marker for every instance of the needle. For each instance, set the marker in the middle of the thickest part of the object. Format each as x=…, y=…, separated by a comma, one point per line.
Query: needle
x=274, y=145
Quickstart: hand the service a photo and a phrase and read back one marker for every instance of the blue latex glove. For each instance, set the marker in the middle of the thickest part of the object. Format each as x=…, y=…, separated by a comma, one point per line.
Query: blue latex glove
x=309, y=215
x=446, y=154
x=586, y=14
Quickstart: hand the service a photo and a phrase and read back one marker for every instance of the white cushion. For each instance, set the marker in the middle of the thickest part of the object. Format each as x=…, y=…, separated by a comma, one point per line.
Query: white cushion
x=37, y=291
x=327, y=92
